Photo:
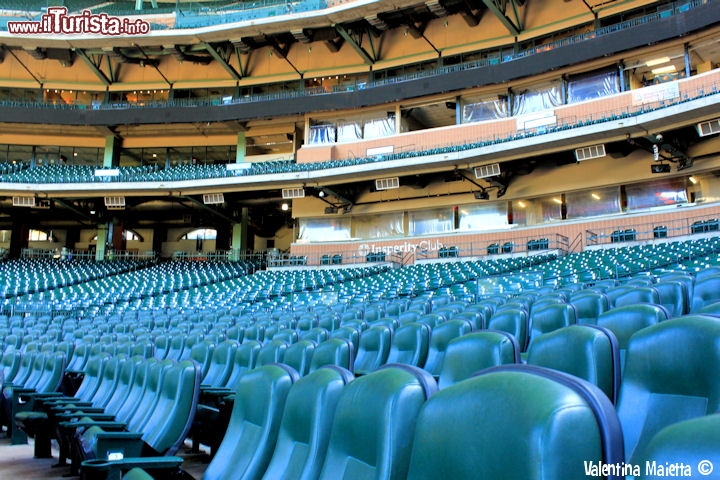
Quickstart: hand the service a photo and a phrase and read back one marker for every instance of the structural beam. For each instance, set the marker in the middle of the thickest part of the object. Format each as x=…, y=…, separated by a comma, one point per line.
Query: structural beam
x=499, y=8
x=222, y=61
x=348, y=37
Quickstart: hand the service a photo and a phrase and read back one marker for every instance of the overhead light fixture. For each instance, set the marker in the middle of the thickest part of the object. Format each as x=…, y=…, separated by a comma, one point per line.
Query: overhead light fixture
x=657, y=61
x=521, y=204
x=662, y=70
x=284, y=207
x=660, y=168
x=557, y=200
x=595, y=196
x=693, y=180
x=482, y=195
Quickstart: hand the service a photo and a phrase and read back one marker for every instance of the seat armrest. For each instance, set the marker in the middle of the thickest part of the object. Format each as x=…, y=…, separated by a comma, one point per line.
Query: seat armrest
x=130, y=444
x=114, y=469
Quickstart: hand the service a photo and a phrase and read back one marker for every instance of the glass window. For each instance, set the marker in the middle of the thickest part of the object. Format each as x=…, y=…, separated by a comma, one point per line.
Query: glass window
x=483, y=216
x=656, y=194
x=535, y=211
x=199, y=234
x=324, y=229
x=378, y=226
x=439, y=220
x=592, y=85
x=591, y=203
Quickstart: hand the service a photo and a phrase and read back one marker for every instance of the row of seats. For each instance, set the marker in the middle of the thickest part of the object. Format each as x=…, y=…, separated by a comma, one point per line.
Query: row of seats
x=507, y=421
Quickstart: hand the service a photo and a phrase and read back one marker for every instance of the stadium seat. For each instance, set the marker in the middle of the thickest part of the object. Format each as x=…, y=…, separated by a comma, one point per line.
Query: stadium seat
x=248, y=443
x=705, y=292
x=409, y=345
x=161, y=433
x=373, y=349
x=475, y=351
x=554, y=424
x=334, y=351
x=589, y=306
x=514, y=321
x=670, y=376
x=374, y=424
x=306, y=423
x=549, y=318
x=299, y=356
x=440, y=337
x=585, y=351
x=625, y=321
x=693, y=446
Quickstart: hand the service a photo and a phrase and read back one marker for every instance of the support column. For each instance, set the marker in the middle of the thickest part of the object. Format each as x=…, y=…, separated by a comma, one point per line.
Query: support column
x=159, y=237
x=18, y=239
x=118, y=236
x=111, y=154
x=239, y=235
x=241, y=148
x=101, y=242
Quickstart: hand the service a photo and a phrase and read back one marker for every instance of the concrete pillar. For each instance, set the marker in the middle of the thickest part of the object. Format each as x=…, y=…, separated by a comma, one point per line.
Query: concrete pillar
x=239, y=235
x=241, y=148
x=111, y=155
x=102, y=234
x=18, y=239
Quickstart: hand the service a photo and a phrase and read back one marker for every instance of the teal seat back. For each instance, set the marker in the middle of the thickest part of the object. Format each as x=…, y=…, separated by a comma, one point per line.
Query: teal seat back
x=585, y=351
x=705, y=292
x=221, y=364
x=287, y=335
x=254, y=424
x=515, y=422
x=637, y=295
x=550, y=318
x=299, y=355
x=176, y=348
x=512, y=320
x=694, y=442
x=374, y=422
x=316, y=334
x=625, y=321
x=53, y=373
x=589, y=306
x=440, y=337
x=138, y=412
x=373, y=350
x=349, y=333
x=272, y=351
x=10, y=365
x=245, y=359
x=673, y=296
x=174, y=410
x=306, y=424
x=254, y=332
x=476, y=351
x=410, y=345
x=125, y=380
x=202, y=353
x=333, y=351
x=670, y=375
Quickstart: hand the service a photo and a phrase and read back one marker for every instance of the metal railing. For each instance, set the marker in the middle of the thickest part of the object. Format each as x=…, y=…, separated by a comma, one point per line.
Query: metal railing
x=653, y=231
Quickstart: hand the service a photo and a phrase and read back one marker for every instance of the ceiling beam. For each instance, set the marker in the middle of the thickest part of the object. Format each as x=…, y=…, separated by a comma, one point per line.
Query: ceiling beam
x=499, y=8
x=93, y=66
x=348, y=37
x=222, y=61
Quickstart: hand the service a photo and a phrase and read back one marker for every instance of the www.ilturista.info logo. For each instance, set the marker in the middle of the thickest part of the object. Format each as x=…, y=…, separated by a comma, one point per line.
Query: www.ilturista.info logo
x=57, y=21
